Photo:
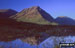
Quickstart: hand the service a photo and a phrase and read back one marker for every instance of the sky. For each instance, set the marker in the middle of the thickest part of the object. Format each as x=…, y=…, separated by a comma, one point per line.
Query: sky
x=54, y=7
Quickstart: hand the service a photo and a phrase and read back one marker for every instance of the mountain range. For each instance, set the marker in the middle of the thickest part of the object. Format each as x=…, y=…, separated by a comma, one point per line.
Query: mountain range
x=35, y=15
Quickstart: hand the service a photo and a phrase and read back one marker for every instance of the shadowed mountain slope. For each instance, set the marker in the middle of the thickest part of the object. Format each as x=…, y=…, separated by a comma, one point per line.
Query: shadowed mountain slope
x=5, y=13
x=64, y=20
x=35, y=15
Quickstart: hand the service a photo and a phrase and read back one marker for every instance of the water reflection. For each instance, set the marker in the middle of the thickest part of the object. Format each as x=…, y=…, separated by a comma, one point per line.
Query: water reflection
x=16, y=44
x=51, y=42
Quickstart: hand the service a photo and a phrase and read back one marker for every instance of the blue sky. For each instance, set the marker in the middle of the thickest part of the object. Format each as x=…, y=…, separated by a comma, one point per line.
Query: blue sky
x=53, y=7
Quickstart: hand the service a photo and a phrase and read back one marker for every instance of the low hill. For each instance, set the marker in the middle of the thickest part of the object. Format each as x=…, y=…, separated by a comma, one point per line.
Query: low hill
x=64, y=20
x=5, y=13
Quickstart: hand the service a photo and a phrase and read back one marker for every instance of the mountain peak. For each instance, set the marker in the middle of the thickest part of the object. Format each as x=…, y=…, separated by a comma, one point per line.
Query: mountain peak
x=36, y=7
x=32, y=8
x=34, y=14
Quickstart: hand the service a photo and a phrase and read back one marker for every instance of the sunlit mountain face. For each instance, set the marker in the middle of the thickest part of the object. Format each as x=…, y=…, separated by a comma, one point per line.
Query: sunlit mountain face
x=35, y=15
x=34, y=28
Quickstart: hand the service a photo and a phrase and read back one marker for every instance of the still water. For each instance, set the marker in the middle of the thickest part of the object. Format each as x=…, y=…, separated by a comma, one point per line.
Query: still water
x=51, y=42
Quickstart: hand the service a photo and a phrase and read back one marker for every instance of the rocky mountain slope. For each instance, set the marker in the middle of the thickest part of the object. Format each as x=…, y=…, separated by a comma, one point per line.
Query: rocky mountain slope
x=35, y=15
x=64, y=20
